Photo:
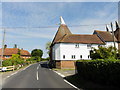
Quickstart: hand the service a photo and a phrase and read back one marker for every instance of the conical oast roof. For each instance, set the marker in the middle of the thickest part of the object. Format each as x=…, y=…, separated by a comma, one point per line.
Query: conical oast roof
x=62, y=31
x=117, y=32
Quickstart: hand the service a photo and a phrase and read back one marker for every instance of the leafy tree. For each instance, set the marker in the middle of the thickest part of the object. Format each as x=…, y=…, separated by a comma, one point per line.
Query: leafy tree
x=48, y=44
x=37, y=53
x=104, y=53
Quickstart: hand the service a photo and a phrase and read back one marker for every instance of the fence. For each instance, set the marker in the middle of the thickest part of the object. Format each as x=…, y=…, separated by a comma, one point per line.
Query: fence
x=8, y=68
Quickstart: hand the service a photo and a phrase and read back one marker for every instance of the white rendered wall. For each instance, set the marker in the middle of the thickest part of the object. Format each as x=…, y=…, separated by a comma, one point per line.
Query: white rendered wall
x=56, y=52
x=69, y=49
x=108, y=44
x=111, y=44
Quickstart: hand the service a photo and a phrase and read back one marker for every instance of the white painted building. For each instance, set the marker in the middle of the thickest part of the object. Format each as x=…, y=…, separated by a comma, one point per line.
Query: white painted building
x=67, y=47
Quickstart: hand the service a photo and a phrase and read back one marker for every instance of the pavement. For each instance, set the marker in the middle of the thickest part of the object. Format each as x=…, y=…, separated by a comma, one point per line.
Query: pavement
x=35, y=76
x=65, y=72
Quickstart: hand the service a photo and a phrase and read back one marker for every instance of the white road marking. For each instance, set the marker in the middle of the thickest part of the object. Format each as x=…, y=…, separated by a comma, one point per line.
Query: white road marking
x=71, y=84
x=8, y=76
x=59, y=74
x=66, y=80
x=37, y=75
x=13, y=73
x=37, y=67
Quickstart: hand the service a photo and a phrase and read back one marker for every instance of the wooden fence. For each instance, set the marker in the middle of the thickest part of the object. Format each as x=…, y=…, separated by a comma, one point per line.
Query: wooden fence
x=8, y=68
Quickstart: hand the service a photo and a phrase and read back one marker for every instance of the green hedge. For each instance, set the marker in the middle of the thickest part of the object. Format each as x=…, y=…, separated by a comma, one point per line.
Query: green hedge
x=100, y=71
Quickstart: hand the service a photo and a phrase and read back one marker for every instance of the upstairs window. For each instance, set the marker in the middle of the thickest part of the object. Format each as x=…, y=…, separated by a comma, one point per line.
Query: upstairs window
x=89, y=46
x=7, y=56
x=76, y=45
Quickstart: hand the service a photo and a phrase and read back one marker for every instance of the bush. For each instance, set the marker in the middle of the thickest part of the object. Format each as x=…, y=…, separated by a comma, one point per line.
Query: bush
x=7, y=63
x=101, y=71
x=104, y=53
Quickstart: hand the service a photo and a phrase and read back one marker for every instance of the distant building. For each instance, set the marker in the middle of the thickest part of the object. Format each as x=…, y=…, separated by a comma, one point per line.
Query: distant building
x=9, y=51
x=67, y=47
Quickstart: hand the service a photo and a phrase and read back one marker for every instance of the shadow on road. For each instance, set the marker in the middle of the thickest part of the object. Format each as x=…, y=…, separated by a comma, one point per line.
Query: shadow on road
x=85, y=84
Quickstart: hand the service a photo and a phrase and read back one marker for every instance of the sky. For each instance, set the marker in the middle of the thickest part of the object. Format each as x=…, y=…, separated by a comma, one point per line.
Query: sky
x=31, y=25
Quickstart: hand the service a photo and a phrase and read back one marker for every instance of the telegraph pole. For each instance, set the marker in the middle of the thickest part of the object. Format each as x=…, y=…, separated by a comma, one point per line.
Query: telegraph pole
x=3, y=41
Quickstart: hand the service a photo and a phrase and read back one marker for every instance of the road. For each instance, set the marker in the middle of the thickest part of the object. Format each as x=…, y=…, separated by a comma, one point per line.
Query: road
x=36, y=76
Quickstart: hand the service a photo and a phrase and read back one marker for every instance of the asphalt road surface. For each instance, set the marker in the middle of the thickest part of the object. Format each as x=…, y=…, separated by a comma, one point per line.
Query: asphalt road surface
x=36, y=76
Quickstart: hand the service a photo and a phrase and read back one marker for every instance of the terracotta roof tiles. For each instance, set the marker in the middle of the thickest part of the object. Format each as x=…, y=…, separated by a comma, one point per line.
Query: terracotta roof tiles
x=10, y=51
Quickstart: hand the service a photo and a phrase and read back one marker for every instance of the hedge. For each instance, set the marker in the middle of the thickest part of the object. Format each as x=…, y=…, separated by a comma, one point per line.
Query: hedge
x=100, y=71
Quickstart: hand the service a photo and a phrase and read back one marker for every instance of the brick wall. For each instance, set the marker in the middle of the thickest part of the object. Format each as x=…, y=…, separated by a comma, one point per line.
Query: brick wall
x=119, y=46
x=65, y=64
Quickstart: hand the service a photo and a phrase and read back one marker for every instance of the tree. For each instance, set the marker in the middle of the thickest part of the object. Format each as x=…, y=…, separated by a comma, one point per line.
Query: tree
x=48, y=44
x=104, y=53
x=37, y=53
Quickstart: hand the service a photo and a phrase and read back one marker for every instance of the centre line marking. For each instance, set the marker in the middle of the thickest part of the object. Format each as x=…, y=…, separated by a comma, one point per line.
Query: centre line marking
x=37, y=75
x=37, y=67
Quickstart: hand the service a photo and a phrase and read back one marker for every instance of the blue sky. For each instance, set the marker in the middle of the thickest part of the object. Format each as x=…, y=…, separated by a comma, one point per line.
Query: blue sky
x=46, y=16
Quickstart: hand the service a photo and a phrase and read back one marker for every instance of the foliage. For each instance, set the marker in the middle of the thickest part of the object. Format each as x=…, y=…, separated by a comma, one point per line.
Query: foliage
x=48, y=44
x=7, y=63
x=104, y=53
x=100, y=71
x=14, y=60
x=37, y=53
x=46, y=59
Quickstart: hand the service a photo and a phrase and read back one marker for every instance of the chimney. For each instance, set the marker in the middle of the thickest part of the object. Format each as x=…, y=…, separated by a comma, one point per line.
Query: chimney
x=5, y=46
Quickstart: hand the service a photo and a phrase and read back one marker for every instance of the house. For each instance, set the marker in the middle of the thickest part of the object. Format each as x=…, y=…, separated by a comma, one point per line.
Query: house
x=66, y=47
x=9, y=51
x=107, y=38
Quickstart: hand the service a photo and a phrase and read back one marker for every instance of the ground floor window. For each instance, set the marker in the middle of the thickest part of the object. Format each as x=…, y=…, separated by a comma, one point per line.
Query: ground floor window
x=63, y=56
x=80, y=56
x=73, y=56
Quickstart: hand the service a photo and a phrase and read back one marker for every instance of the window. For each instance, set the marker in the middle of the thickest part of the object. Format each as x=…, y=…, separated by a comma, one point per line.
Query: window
x=88, y=56
x=76, y=45
x=80, y=56
x=7, y=56
x=73, y=56
x=89, y=46
x=63, y=56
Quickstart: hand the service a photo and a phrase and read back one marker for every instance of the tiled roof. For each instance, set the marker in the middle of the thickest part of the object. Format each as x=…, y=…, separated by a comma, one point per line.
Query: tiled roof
x=117, y=34
x=77, y=38
x=10, y=51
x=104, y=35
x=62, y=30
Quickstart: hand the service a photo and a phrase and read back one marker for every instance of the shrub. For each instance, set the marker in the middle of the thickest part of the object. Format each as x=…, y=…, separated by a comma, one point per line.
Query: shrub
x=100, y=71
x=7, y=63
x=104, y=53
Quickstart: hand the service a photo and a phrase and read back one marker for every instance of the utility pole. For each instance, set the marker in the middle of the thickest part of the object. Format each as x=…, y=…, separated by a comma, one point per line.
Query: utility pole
x=3, y=41
x=113, y=35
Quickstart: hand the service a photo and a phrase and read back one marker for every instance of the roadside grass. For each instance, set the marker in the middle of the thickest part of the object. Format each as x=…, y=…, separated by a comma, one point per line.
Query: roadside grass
x=86, y=84
x=62, y=69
